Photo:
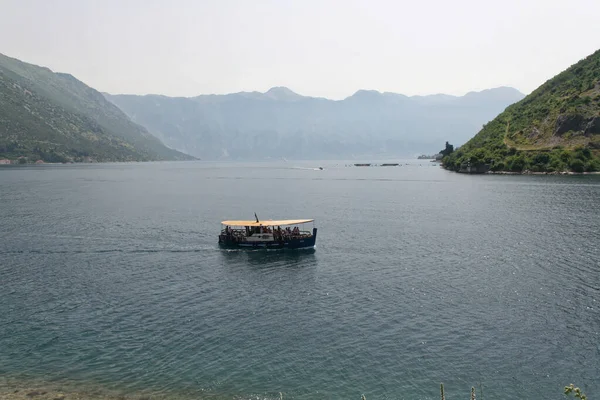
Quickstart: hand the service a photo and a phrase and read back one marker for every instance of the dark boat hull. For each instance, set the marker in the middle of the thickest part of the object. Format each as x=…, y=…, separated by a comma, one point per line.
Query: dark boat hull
x=292, y=243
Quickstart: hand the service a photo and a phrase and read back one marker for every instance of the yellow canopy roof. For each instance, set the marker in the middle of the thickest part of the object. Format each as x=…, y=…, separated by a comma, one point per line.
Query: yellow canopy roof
x=268, y=222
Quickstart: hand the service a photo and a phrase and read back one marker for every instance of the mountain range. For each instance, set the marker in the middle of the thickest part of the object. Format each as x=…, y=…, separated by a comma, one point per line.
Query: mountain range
x=281, y=123
x=54, y=117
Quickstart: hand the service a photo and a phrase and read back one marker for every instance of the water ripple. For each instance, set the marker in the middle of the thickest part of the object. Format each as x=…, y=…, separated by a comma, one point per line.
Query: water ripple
x=112, y=280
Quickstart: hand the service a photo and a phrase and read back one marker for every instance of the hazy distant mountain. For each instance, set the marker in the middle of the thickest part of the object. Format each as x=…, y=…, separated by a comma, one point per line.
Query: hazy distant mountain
x=54, y=117
x=281, y=123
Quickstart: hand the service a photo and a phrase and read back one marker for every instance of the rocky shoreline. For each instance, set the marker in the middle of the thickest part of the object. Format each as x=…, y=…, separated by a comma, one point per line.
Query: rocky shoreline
x=43, y=393
x=26, y=389
x=19, y=390
x=527, y=172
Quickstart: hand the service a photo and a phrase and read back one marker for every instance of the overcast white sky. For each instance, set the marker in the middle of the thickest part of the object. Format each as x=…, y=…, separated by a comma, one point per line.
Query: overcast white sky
x=326, y=48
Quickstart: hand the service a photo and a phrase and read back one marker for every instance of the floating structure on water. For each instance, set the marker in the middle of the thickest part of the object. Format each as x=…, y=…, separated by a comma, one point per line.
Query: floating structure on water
x=376, y=165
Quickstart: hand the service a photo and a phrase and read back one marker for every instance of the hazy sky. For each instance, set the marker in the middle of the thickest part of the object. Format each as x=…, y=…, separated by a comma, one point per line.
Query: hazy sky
x=321, y=48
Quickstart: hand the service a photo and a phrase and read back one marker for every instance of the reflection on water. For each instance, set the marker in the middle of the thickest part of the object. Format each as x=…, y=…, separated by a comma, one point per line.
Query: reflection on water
x=269, y=258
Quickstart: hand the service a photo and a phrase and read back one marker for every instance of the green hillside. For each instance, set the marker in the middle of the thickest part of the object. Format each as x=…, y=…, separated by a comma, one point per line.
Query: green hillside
x=556, y=128
x=56, y=118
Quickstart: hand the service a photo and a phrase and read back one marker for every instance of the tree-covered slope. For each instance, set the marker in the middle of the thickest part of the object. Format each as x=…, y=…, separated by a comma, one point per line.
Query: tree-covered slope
x=555, y=128
x=56, y=118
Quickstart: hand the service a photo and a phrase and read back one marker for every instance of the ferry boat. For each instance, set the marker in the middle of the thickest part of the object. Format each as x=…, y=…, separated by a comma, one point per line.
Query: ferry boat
x=280, y=234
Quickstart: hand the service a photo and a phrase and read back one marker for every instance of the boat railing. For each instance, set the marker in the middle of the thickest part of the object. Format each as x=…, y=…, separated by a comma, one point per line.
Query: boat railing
x=239, y=235
x=287, y=235
x=233, y=232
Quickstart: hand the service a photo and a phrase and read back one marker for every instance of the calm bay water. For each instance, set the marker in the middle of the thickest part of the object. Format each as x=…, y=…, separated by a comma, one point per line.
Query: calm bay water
x=110, y=276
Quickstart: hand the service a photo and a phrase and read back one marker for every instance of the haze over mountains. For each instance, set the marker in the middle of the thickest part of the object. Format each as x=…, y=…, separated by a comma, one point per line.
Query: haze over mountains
x=282, y=123
x=54, y=117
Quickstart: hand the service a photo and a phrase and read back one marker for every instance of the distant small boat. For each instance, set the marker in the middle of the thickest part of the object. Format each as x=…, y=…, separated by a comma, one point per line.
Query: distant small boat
x=279, y=234
x=390, y=165
x=362, y=165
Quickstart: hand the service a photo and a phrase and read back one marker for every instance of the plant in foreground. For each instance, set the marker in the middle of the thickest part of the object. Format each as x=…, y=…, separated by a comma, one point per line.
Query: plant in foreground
x=443, y=394
x=571, y=389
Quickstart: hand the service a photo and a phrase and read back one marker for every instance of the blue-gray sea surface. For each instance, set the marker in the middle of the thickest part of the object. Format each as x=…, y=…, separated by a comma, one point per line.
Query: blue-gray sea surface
x=111, y=275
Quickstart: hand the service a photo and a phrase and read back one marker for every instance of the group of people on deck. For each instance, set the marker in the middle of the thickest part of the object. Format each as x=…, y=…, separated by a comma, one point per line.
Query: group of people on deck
x=278, y=233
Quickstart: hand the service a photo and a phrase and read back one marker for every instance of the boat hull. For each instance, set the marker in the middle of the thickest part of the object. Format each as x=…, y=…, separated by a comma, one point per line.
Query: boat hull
x=291, y=243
